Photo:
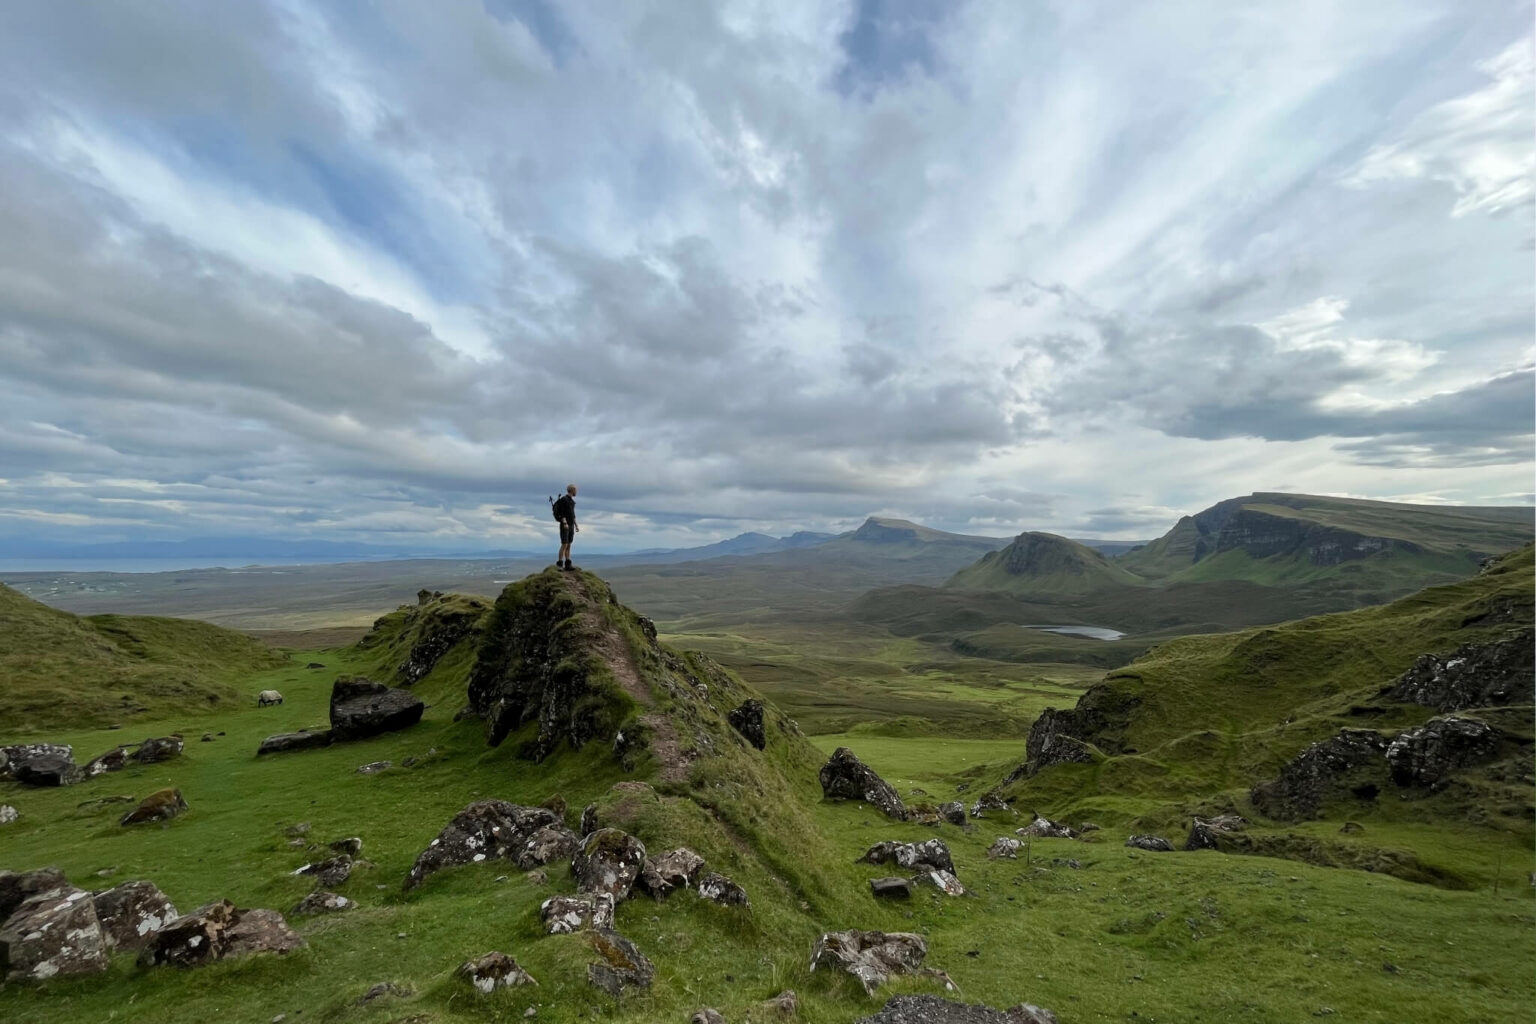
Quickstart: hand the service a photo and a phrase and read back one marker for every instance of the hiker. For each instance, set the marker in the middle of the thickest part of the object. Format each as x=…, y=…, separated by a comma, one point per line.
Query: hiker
x=565, y=515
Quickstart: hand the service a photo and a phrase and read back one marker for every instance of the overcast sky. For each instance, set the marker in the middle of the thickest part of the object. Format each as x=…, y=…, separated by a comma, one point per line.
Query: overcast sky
x=397, y=271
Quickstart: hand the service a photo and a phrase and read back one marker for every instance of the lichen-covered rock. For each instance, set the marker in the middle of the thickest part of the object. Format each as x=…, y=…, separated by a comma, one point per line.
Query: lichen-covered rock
x=933, y=1010
x=492, y=971
x=719, y=889
x=845, y=777
x=953, y=812
x=374, y=767
x=785, y=1004
x=438, y=626
x=675, y=869
x=565, y=914
x=1208, y=833
x=928, y=854
x=47, y=769
x=988, y=802
x=891, y=888
x=1045, y=828
x=161, y=805
x=157, y=749
x=485, y=830
x=1063, y=736
x=328, y=873
x=8, y=814
x=1352, y=761
x=321, y=902
x=259, y=931
x=708, y=1015
x=114, y=760
x=16, y=887
x=132, y=914
x=1152, y=844
x=304, y=739
x=620, y=966
x=547, y=844
x=1426, y=757
x=352, y=846
x=1478, y=675
x=218, y=931
x=871, y=957
x=748, y=720
x=52, y=934
x=1004, y=846
x=15, y=757
x=944, y=881
x=361, y=708
x=610, y=861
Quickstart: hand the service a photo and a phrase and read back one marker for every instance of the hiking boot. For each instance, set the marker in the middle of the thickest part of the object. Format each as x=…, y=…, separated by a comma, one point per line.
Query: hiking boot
x=572, y=568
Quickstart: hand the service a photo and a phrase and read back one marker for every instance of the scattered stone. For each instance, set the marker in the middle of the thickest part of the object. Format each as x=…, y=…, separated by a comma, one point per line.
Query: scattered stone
x=547, y=844
x=988, y=802
x=259, y=931
x=609, y=861
x=352, y=846
x=785, y=1003
x=1087, y=827
x=374, y=767
x=930, y=853
x=1207, y=833
x=719, y=889
x=588, y=823
x=492, y=971
x=486, y=829
x=383, y=989
x=1045, y=828
x=1426, y=757
x=321, y=902
x=1348, y=762
x=871, y=957
x=268, y=698
x=943, y=881
x=113, y=760
x=953, y=812
x=748, y=720
x=54, y=933
x=17, y=887
x=304, y=739
x=1067, y=862
x=132, y=914
x=361, y=708
x=1005, y=846
x=157, y=749
x=161, y=805
x=675, y=869
x=207, y=737
x=1154, y=844
x=328, y=873
x=708, y=1015
x=845, y=777
x=620, y=967
x=1351, y=826
x=48, y=770
x=933, y=1010
x=1478, y=675
x=893, y=888
x=565, y=914
x=8, y=814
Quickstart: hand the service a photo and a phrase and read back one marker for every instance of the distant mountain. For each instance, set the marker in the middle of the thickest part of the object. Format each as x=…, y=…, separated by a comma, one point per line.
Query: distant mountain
x=237, y=550
x=741, y=544
x=1039, y=564
x=898, y=538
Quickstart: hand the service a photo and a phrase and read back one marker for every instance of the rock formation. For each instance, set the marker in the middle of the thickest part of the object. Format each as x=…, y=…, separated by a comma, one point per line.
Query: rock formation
x=1476, y=675
x=748, y=720
x=361, y=708
x=161, y=805
x=609, y=861
x=1427, y=756
x=494, y=970
x=132, y=914
x=871, y=957
x=485, y=830
x=1348, y=762
x=845, y=777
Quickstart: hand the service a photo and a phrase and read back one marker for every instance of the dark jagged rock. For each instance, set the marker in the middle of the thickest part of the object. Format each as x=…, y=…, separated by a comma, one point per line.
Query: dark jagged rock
x=218, y=931
x=1152, y=844
x=53, y=934
x=748, y=720
x=891, y=888
x=161, y=805
x=158, y=749
x=44, y=764
x=132, y=914
x=620, y=966
x=933, y=1010
x=493, y=971
x=609, y=861
x=717, y=888
x=871, y=957
x=988, y=802
x=1351, y=761
x=588, y=823
x=566, y=914
x=1478, y=675
x=1426, y=757
x=329, y=873
x=361, y=708
x=304, y=739
x=1045, y=828
x=928, y=854
x=675, y=869
x=845, y=777
x=322, y=902
x=16, y=756
x=547, y=844
x=1208, y=833
x=440, y=628
x=1004, y=846
x=485, y=830
x=1063, y=736
x=16, y=887
x=114, y=760
x=953, y=812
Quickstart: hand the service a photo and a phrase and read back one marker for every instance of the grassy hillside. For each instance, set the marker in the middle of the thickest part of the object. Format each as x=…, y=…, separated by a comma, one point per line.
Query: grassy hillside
x=57, y=668
x=1043, y=564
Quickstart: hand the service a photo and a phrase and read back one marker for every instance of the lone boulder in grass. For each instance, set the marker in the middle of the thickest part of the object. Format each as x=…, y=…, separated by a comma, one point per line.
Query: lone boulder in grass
x=845, y=777
x=161, y=805
x=361, y=708
x=609, y=860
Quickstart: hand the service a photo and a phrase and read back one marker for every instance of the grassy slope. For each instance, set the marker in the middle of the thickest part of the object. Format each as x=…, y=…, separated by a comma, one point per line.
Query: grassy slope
x=57, y=668
x=1044, y=564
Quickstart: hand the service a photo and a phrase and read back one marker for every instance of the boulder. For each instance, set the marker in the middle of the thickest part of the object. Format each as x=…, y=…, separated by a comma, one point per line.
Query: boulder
x=374, y=767
x=217, y=931
x=845, y=777
x=871, y=957
x=328, y=873
x=609, y=860
x=891, y=888
x=1351, y=762
x=928, y=854
x=620, y=967
x=953, y=812
x=1426, y=757
x=933, y=1010
x=675, y=869
x=48, y=769
x=1478, y=675
x=784, y=1004
x=321, y=902
x=16, y=887
x=13, y=757
x=547, y=844
x=492, y=971
x=361, y=708
x=157, y=749
x=352, y=846
x=52, y=934
x=988, y=802
x=161, y=805
x=259, y=931
x=1153, y=844
x=132, y=914
x=944, y=881
x=1045, y=828
x=565, y=914
x=1207, y=833
x=748, y=720
x=271, y=698
x=113, y=760
x=485, y=830
x=708, y=1015
x=719, y=889
x=8, y=814
x=1004, y=846
x=304, y=739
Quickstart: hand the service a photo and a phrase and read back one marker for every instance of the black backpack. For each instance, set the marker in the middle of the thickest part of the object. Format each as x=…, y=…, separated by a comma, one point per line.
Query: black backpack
x=561, y=507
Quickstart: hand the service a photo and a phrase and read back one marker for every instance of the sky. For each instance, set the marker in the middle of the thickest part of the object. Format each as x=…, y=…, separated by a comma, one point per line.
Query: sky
x=395, y=272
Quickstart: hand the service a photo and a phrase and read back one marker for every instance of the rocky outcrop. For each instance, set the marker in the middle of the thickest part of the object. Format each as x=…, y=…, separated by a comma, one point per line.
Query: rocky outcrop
x=933, y=1010
x=565, y=914
x=748, y=720
x=1063, y=736
x=132, y=914
x=39, y=764
x=1479, y=675
x=161, y=805
x=485, y=830
x=218, y=931
x=620, y=967
x=1426, y=757
x=17, y=887
x=52, y=934
x=493, y=971
x=158, y=749
x=1211, y=833
x=438, y=626
x=845, y=777
x=1352, y=761
x=1152, y=844
x=717, y=888
x=609, y=861
x=361, y=708
x=988, y=802
x=927, y=855
x=304, y=739
x=872, y=957
x=675, y=869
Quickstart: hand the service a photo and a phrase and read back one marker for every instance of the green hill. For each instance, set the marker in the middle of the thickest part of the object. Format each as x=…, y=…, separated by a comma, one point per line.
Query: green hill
x=57, y=668
x=1044, y=564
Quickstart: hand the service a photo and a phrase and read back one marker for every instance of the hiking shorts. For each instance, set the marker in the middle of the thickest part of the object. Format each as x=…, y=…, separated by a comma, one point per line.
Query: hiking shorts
x=567, y=532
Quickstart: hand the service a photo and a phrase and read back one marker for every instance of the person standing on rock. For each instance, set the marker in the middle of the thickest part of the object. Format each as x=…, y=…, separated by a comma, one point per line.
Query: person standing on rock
x=565, y=515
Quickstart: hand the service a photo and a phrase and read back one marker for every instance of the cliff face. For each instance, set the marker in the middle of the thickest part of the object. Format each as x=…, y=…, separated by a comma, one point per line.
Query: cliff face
x=1262, y=535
